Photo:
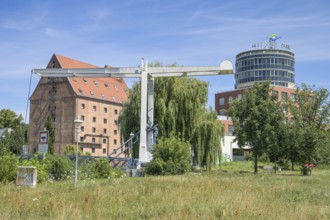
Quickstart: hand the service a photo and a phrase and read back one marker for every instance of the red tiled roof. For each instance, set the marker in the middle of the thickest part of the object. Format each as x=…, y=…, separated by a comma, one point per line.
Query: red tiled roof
x=109, y=89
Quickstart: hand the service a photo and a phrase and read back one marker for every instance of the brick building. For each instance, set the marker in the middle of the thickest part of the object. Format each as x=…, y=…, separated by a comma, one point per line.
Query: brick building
x=97, y=101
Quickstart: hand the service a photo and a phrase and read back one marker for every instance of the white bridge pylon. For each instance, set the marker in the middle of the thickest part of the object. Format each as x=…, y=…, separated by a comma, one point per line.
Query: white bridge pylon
x=147, y=75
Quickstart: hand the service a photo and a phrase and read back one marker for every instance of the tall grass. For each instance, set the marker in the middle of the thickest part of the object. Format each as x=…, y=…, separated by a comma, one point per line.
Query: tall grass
x=213, y=195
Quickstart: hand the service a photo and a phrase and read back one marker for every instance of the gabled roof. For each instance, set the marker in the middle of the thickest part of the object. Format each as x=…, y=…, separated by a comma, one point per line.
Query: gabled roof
x=108, y=89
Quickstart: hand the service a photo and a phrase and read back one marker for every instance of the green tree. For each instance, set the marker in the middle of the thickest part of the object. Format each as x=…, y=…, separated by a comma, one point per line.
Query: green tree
x=309, y=118
x=257, y=118
x=129, y=118
x=206, y=140
x=9, y=119
x=17, y=136
x=50, y=126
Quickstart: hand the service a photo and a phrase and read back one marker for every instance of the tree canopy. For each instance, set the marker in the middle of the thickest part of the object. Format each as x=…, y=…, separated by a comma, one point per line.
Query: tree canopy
x=9, y=119
x=179, y=109
x=257, y=118
x=50, y=126
x=308, y=124
x=16, y=136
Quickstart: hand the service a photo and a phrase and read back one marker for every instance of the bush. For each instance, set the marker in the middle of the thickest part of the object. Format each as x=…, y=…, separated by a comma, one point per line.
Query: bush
x=59, y=168
x=170, y=156
x=42, y=174
x=8, y=166
x=100, y=169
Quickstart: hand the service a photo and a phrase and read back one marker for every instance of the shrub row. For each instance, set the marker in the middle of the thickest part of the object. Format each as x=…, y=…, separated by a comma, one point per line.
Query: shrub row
x=56, y=168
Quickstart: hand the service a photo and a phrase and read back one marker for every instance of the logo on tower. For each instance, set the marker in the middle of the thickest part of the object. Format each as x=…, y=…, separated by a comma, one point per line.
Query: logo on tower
x=273, y=37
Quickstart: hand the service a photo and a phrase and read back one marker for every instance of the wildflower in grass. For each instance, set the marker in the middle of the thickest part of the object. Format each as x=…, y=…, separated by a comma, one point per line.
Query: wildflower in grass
x=307, y=169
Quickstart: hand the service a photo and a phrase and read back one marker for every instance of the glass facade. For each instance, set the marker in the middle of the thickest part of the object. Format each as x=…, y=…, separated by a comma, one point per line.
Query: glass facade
x=262, y=65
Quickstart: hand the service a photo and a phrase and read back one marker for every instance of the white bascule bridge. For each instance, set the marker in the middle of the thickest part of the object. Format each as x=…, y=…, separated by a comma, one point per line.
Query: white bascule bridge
x=146, y=75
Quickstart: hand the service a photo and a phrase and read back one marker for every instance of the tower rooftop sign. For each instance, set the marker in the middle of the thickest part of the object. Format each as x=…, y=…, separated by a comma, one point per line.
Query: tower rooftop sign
x=271, y=44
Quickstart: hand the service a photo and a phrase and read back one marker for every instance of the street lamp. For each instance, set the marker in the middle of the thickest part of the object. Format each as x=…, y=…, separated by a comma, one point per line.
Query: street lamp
x=77, y=123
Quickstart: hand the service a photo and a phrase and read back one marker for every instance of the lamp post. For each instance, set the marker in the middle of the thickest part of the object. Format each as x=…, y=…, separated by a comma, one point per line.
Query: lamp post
x=77, y=123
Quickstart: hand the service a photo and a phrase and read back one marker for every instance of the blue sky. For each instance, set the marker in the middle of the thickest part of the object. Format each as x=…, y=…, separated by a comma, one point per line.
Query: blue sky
x=190, y=33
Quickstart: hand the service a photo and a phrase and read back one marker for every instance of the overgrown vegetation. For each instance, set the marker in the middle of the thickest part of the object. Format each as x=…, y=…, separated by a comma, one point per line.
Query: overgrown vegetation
x=171, y=156
x=195, y=196
x=8, y=166
x=56, y=168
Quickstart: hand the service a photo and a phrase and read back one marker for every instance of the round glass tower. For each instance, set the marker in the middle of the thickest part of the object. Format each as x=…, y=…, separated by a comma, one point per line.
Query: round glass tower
x=261, y=65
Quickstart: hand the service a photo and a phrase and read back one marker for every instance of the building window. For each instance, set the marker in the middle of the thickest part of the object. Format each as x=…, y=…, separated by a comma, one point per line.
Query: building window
x=81, y=139
x=230, y=100
x=239, y=96
x=104, y=130
x=82, y=106
x=114, y=141
x=105, y=121
x=115, y=132
x=94, y=119
x=104, y=151
x=93, y=129
x=93, y=150
x=284, y=95
x=293, y=96
x=92, y=93
x=221, y=101
x=105, y=110
x=93, y=140
x=116, y=112
x=231, y=129
x=116, y=122
x=82, y=128
x=104, y=141
x=275, y=94
x=82, y=118
x=94, y=108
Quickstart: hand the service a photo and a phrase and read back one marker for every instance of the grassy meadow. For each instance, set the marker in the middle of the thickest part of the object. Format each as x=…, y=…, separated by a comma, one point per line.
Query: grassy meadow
x=206, y=195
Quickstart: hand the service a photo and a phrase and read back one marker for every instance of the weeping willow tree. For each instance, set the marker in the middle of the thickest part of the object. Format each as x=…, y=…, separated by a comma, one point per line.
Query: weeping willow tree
x=178, y=110
x=129, y=118
x=206, y=141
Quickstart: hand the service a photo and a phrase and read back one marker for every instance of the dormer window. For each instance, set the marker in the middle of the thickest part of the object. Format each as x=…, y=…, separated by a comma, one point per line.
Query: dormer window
x=85, y=80
x=92, y=93
x=81, y=92
x=96, y=83
x=116, y=88
x=103, y=96
x=106, y=85
x=113, y=98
